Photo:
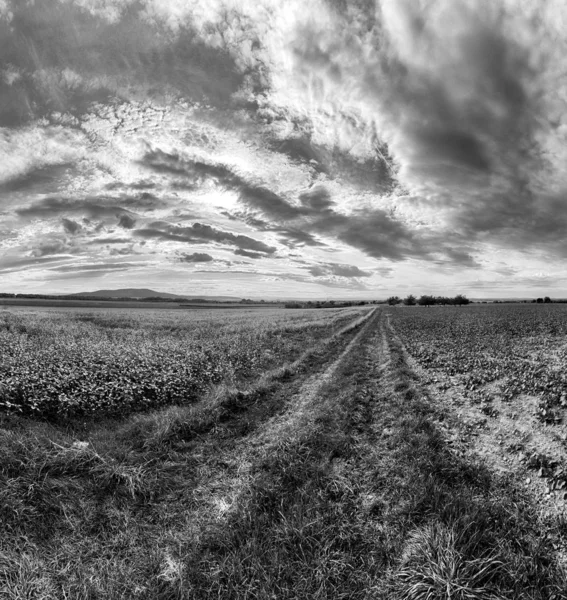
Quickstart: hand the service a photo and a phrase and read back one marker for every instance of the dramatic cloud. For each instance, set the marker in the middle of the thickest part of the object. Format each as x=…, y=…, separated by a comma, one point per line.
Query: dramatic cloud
x=422, y=141
x=198, y=233
x=376, y=233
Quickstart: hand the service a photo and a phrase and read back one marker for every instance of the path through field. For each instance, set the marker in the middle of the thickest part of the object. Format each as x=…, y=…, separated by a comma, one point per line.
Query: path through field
x=335, y=477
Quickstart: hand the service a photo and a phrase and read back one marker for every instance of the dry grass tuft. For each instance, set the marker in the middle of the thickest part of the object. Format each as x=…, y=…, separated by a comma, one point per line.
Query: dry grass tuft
x=437, y=562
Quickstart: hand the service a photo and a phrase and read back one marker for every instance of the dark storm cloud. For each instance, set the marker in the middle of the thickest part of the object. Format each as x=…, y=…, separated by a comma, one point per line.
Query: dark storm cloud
x=66, y=58
x=196, y=257
x=198, y=233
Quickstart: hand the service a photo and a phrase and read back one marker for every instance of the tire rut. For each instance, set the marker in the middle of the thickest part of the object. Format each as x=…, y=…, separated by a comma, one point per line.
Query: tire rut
x=228, y=453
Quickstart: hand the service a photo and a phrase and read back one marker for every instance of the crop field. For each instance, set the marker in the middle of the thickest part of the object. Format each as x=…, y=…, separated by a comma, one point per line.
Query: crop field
x=352, y=453
x=76, y=363
x=503, y=368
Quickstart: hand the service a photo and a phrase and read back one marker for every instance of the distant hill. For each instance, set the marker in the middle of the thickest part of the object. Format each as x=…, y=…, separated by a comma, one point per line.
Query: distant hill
x=146, y=293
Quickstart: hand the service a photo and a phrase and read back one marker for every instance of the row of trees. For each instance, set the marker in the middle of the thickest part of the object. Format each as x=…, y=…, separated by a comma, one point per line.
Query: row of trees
x=326, y=304
x=411, y=300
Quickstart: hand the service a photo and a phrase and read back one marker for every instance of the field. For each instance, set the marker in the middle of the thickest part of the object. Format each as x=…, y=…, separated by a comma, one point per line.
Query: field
x=369, y=452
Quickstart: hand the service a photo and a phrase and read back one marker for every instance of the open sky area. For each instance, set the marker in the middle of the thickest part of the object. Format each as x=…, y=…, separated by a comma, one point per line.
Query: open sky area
x=261, y=148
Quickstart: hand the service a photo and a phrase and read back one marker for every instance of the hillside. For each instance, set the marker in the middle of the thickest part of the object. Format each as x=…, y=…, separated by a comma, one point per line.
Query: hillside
x=147, y=293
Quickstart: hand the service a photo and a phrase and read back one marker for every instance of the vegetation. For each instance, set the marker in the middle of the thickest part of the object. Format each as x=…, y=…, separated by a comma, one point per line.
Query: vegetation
x=498, y=356
x=425, y=300
x=62, y=364
x=326, y=304
x=326, y=473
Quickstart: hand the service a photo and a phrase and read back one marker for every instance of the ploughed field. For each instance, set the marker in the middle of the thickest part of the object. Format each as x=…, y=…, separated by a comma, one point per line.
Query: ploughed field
x=360, y=453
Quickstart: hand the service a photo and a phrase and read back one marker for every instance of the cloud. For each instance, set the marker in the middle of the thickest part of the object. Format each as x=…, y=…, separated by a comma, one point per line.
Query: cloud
x=249, y=254
x=36, y=158
x=95, y=267
x=52, y=244
x=44, y=179
x=295, y=237
x=199, y=232
x=110, y=240
x=126, y=221
x=340, y=270
x=9, y=264
x=316, y=198
x=288, y=235
x=196, y=257
x=93, y=207
x=375, y=170
x=375, y=232
x=71, y=226
x=68, y=59
x=426, y=134
x=254, y=194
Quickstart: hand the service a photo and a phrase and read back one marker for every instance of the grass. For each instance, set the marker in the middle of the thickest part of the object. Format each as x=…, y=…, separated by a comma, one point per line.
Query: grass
x=354, y=496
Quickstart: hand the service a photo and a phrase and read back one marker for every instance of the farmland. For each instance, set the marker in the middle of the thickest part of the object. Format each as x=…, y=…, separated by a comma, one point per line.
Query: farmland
x=503, y=369
x=60, y=364
x=391, y=452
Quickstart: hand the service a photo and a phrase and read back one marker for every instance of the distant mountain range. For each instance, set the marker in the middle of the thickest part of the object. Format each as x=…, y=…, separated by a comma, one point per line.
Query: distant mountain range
x=146, y=293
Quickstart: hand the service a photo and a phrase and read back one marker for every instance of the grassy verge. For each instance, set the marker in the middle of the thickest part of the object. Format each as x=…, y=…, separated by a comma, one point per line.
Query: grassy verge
x=359, y=498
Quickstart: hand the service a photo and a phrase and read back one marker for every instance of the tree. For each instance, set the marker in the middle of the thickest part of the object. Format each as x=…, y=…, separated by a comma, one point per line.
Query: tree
x=539, y=300
x=410, y=300
x=460, y=299
x=547, y=300
x=393, y=300
x=426, y=300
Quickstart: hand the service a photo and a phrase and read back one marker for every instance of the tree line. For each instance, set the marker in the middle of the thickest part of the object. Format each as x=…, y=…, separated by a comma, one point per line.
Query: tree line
x=425, y=300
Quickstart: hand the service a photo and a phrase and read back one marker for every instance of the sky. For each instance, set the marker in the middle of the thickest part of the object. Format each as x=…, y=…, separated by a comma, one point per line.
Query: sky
x=269, y=149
